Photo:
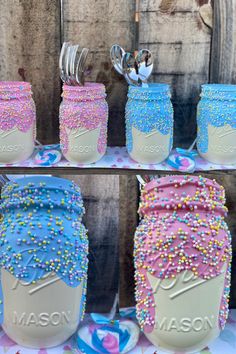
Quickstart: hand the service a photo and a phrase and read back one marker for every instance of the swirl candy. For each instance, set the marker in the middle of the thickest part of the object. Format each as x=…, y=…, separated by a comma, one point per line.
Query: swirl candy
x=182, y=260
x=43, y=259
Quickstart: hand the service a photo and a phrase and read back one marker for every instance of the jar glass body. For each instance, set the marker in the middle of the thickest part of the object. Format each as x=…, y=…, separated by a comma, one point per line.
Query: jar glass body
x=182, y=260
x=43, y=261
x=83, y=122
x=17, y=122
x=217, y=123
x=149, y=123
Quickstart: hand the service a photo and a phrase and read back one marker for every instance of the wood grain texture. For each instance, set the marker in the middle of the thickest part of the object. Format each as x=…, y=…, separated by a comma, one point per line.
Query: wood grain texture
x=29, y=51
x=128, y=223
x=101, y=200
x=223, y=62
x=180, y=41
x=98, y=25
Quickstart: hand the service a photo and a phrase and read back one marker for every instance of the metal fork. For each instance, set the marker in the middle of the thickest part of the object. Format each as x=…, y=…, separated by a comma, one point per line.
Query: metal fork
x=72, y=64
x=79, y=73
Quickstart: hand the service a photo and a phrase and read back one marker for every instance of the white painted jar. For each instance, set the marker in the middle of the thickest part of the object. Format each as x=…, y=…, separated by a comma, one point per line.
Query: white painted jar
x=83, y=123
x=217, y=124
x=149, y=123
x=17, y=122
x=182, y=257
x=43, y=260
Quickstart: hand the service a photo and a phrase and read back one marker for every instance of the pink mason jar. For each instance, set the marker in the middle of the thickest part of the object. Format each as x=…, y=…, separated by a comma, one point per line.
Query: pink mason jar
x=17, y=121
x=83, y=122
x=182, y=260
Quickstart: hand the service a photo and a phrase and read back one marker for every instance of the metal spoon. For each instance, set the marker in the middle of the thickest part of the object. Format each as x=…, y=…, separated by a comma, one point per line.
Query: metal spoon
x=62, y=60
x=116, y=54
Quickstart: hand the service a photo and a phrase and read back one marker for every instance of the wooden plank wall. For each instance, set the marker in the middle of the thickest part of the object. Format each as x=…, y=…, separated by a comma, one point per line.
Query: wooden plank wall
x=98, y=25
x=29, y=51
x=179, y=33
x=101, y=200
x=180, y=40
x=129, y=198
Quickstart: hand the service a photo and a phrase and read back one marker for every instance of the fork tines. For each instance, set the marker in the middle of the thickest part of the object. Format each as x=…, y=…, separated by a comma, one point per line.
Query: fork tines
x=72, y=63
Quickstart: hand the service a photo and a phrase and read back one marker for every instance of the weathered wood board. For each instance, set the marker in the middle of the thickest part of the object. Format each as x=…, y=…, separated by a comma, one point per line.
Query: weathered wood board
x=98, y=25
x=175, y=32
x=223, y=57
x=129, y=196
x=101, y=201
x=29, y=51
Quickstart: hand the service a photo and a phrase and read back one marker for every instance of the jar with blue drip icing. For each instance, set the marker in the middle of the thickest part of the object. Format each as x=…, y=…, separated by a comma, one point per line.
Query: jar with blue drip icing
x=217, y=123
x=149, y=123
x=43, y=259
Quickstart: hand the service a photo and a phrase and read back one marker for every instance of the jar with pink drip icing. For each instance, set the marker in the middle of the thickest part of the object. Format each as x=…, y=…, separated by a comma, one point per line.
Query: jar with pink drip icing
x=182, y=261
x=17, y=122
x=83, y=122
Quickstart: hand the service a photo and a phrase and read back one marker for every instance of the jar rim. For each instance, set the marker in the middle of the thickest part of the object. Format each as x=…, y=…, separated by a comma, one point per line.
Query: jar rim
x=14, y=85
x=50, y=181
x=218, y=88
x=152, y=87
x=87, y=87
x=165, y=181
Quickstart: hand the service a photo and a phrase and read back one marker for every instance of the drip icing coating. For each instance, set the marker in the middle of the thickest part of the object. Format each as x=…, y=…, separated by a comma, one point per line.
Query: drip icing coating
x=42, y=232
x=148, y=109
x=182, y=228
x=217, y=108
x=17, y=108
x=84, y=107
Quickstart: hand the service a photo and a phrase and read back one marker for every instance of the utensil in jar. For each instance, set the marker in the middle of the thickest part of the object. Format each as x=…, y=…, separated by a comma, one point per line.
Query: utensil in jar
x=136, y=69
x=72, y=63
x=116, y=54
x=79, y=71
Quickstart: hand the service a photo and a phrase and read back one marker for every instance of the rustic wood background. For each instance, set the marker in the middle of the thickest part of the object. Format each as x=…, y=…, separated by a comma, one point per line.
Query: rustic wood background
x=193, y=41
x=178, y=32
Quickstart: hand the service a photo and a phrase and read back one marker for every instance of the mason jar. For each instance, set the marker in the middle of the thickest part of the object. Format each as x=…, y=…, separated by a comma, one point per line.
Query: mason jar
x=149, y=123
x=83, y=122
x=43, y=260
x=216, y=120
x=182, y=259
x=17, y=122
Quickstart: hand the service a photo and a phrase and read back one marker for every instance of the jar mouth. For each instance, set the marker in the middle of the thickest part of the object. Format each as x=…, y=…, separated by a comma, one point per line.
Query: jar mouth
x=219, y=92
x=183, y=194
x=14, y=89
x=219, y=87
x=28, y=185
x=152, y=87
x=89, y=92
x=154, y=92
x=14, y=85
x=168, y=181
x=87, y=86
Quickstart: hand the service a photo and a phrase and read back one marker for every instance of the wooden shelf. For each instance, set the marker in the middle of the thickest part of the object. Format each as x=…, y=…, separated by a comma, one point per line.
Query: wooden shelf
x=116, y=161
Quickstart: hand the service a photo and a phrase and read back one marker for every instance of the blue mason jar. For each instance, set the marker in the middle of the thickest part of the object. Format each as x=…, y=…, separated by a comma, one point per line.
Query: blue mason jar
x=149, y=123
x=43, y=260
x=216, y=120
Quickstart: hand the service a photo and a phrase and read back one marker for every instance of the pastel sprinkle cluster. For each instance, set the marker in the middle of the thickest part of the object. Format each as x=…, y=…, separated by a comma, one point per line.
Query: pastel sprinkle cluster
x=42, y=232
x=148, y=109
x=84, y=107
x=17, y=108
x=217, y=108
x=182, y=228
